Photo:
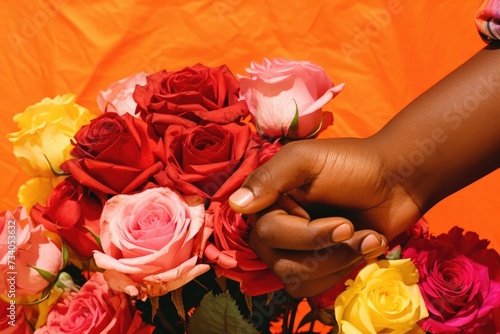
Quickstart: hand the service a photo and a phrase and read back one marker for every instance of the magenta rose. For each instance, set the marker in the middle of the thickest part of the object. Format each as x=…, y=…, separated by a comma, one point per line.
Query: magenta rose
x=114, y=154
x=152, y=241
x=198, y=93
x=457, y=281
x=199, y=160
x=286, y=97
x=95, y=309
x=73, y=212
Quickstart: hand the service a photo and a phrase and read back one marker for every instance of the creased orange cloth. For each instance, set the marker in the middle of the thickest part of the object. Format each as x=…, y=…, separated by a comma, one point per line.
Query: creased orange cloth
x=386, y=51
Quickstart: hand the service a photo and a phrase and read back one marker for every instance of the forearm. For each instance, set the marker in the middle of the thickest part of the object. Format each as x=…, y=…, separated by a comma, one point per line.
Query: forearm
x=449, y=136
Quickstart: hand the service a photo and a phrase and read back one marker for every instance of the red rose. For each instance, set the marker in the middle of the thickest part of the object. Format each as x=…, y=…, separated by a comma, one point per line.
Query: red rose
x=73, y=212
x=200, y=94
x=114, y=154
x=460, y=292
x=231, y=254
x=418, y=230
x=199, y=160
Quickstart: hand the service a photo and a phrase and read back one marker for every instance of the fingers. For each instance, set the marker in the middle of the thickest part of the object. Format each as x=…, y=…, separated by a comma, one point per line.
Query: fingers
x=292, y=167
x=302, y=289
x=309, y=265
x=278, y=229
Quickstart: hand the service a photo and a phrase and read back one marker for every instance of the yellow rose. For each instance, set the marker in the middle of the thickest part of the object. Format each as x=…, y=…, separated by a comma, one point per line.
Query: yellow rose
x=384, y=298
x=46, y=130
x=37, y=190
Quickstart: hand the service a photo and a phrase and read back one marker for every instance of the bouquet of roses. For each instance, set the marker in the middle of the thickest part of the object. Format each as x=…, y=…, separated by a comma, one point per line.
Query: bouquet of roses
x=125, y=225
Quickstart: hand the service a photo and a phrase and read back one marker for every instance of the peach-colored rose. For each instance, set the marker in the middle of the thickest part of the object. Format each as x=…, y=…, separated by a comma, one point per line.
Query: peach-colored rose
x=26, y=251
x=151, y=241
x=278, y=90
x=95, y=309
x=118, y=97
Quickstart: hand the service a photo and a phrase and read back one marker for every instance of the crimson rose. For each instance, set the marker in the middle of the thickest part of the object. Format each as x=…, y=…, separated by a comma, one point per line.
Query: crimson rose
x=198, y=93
x=457, y=281
x=73, y=212
x=230, y=253
x=199, y=160
x=114, y=154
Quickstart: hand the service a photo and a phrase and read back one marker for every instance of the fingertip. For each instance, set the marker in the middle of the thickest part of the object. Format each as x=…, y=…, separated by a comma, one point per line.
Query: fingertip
x=369, y=244
x=241, y=198
x=370, y=249
x=342, y=232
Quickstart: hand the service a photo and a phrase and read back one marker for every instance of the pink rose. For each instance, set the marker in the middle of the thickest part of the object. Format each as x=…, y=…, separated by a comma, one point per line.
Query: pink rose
x=95, y=309
x=457, y=281
x=280, y=90
x=13, y=319
x=32, y=251
x=118, y=97
x=151, y=241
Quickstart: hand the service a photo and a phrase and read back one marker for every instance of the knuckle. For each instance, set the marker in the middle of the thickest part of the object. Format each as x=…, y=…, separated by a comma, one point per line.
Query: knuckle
x=264, y=231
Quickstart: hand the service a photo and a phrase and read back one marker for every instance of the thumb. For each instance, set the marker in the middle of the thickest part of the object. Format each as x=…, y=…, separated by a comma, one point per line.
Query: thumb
x=286, y=170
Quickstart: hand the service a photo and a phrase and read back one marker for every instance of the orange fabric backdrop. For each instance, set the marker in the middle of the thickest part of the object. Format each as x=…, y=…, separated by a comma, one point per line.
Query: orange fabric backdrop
x=386, y=51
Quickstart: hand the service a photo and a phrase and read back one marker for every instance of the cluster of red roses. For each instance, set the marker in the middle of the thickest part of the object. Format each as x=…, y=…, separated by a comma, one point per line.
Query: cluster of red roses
x=190, y=138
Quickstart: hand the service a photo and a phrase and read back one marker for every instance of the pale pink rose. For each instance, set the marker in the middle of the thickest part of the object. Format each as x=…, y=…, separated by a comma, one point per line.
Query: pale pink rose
x=95, y=309
x=151, y=241
x=276, y=89
x=13, y=319
x=118, y=97
x=26, y=252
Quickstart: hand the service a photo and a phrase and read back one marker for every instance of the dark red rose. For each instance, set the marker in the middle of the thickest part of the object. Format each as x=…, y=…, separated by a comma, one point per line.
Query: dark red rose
x=198, y=93
x=115, y=154
x=231, y=254
x=200, y=160
x=418, y=230
x=73, y=212
x=460, y=292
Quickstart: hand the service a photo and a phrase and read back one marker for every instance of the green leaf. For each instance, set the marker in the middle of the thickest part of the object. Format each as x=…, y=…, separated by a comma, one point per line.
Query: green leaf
x=219, y=314
x=48, y=276
x=154, y=305
x=66, y=283
x=65, y=254
x=96, y=237
x=179, y=303
x=248, y=300
x=293, y=130
x=57, y=173
x=394, y=254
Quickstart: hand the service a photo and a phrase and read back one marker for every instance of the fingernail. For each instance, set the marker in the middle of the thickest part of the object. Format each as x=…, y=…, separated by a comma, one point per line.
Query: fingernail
x=341, y=233
x=369, y=244
x=381, y=251
x=242, y=197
